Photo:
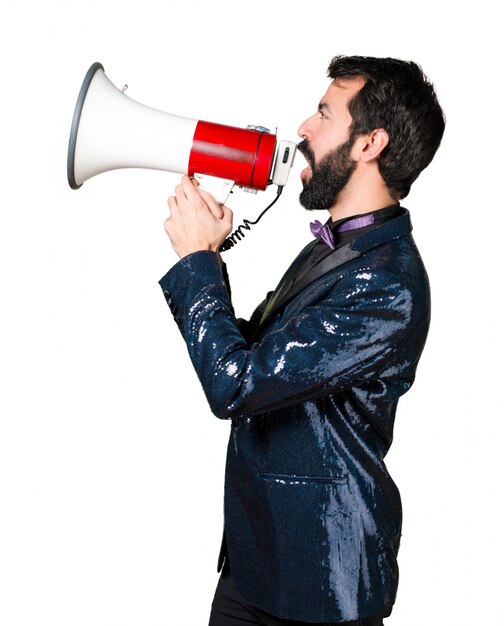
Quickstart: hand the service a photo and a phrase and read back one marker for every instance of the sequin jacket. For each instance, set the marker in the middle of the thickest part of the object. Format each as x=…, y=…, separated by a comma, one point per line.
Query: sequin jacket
x=311, y=384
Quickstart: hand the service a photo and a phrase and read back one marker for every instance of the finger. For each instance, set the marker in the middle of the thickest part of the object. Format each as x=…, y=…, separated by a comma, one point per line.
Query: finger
x=227, y=213
x=180, y=192
x=212, y=204
x=227, y=217
x=194, y=192
x=167, y=225
x=172, y=204
x=194, y=182
x=188, y=187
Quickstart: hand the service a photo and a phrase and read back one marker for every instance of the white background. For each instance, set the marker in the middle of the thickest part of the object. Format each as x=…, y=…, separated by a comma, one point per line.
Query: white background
x=111, y=465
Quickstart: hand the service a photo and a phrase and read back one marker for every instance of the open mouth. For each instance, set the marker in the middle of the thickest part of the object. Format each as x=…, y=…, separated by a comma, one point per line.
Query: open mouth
x=309, y=157
x=306, y=172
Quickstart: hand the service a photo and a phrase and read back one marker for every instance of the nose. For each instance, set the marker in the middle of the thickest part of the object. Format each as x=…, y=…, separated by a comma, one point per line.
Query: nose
x=304, y=129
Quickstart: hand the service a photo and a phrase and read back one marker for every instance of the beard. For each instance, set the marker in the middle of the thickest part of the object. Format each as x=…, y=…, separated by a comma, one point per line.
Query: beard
x=328, y=178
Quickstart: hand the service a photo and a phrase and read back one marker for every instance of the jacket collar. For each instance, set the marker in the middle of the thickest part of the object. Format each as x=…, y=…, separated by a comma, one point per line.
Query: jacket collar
x=393, y=229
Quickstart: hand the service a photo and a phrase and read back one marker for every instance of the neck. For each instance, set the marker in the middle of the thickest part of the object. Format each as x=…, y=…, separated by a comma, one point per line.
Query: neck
x=361, y=196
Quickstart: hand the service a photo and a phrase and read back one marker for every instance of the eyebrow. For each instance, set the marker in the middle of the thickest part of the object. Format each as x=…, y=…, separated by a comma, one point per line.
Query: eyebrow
x=323, y=106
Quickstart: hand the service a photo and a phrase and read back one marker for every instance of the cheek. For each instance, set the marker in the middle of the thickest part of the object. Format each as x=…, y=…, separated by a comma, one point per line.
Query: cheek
x=321, y=148
x=328, y=139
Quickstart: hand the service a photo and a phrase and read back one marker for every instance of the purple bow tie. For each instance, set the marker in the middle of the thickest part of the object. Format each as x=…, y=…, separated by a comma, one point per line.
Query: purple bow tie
x=324, y=232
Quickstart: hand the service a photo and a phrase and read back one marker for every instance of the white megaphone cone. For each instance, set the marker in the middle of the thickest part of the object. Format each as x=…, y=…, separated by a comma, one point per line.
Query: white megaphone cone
x=111, y=131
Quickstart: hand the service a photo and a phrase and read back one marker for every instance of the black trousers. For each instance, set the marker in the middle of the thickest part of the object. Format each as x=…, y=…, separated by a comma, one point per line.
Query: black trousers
x=230, y=609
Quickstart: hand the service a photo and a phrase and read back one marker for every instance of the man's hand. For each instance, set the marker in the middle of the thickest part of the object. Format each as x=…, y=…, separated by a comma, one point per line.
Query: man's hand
x=197, y=221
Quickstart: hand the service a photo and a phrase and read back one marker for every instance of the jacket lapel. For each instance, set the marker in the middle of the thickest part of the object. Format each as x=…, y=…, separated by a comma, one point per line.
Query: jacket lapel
x=287, y=289
x=334, y=260
x=286, y=282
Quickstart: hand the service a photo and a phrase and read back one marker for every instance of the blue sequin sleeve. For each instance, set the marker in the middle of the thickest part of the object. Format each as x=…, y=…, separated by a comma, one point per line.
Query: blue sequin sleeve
x=353, y=328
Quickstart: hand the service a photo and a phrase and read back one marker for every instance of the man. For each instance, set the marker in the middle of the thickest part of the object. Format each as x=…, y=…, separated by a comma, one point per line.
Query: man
x=311, y=382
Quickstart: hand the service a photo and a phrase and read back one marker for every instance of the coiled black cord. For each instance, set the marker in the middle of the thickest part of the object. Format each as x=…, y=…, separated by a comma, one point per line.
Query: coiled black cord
x=239, y=233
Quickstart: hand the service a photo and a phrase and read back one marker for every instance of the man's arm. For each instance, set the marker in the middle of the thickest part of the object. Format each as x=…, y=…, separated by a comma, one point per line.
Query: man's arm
x=352, y=333
x=197, y=222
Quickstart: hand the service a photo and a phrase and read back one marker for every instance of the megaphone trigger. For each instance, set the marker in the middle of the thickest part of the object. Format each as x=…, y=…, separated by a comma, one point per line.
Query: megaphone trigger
x=220, y=188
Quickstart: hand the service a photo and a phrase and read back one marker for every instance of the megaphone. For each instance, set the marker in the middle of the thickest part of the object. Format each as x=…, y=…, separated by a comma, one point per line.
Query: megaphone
x=112, y=131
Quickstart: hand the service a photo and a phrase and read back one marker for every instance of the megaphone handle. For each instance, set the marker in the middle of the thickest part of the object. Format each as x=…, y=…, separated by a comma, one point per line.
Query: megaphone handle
x=220, y=188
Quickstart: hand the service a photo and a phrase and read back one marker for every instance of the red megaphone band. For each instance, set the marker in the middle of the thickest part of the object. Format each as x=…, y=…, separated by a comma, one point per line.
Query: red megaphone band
x=242, y=155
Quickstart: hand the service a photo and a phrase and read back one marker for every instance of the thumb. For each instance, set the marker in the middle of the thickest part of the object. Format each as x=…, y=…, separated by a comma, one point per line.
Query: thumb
x=227, y=214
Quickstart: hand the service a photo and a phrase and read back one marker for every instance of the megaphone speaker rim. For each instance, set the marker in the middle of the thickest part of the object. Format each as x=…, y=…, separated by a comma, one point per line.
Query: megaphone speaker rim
x=72, y=143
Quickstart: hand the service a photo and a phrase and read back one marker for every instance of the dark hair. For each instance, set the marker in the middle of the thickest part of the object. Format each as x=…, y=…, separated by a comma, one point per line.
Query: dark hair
x=398, y=97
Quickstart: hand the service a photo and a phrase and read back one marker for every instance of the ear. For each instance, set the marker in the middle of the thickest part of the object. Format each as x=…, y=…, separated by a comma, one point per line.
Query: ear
x=370, y=146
